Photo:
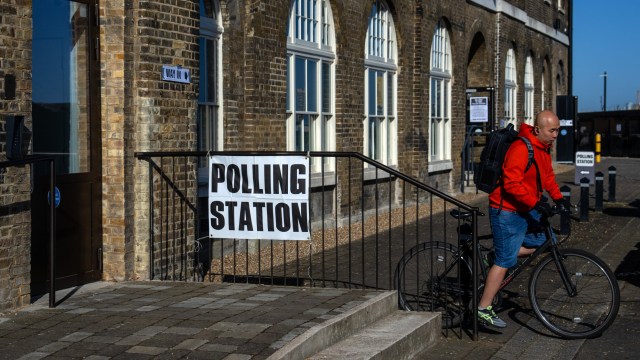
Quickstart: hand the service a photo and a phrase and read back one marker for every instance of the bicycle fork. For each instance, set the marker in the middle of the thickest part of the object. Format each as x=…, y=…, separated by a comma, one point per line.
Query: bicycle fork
x=568, y=285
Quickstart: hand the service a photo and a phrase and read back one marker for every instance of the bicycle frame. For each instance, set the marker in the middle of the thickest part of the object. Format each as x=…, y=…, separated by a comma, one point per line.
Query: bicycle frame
x=550, y=243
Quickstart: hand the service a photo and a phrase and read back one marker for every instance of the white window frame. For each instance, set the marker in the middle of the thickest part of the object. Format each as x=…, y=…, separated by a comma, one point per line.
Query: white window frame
x=528, y=91
x=542, y=90
x=311, y=118
x=210, y=123
x=440, y=99
x=510, y=89
x=380, y=109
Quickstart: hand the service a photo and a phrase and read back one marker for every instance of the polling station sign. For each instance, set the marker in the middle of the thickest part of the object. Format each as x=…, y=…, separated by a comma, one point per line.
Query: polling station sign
x=259, y=197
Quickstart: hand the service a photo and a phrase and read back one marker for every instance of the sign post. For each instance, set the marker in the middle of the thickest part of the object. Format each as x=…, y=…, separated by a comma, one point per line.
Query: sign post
x=585, y=162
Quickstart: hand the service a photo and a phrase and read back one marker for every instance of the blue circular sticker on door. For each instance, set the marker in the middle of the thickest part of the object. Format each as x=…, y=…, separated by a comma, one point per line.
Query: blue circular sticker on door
x=563, y=132
x=58, y=196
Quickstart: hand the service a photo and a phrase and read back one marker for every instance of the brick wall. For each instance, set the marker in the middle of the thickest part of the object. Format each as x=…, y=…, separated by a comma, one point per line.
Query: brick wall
x=139, y=112
x=15, y=214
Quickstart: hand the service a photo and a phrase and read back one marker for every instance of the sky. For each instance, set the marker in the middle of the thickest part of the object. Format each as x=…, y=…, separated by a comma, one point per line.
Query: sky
x=605, y=38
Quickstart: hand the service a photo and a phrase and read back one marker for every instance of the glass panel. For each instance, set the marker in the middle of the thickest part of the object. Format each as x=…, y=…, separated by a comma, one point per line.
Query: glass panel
x=326, y=87
x=380, y=93
x=61, y=108
x=435, y=138
x=302, y=132
x=390, y=92
x=445, y=100
x=288, y=83
x=372, y=92
x=312, y=85
x=211, y=71
x=433, y=97
x=206, y=8
x=202, y=95
x=300, y=84
x=373, y=137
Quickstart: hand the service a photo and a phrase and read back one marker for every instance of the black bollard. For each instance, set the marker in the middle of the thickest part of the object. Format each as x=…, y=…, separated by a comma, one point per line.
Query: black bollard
x=612, y=183
x=565, y=216
x=584, y=199
x=599, y=190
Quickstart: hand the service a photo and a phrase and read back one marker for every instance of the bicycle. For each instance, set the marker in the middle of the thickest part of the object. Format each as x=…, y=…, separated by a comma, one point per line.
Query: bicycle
x=572, y=292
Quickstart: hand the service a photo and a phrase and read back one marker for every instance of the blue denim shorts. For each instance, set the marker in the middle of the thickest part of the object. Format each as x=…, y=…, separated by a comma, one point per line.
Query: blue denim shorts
x=510, y=232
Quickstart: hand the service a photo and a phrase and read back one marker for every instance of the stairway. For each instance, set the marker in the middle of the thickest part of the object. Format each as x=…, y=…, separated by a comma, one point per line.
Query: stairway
x=375, y=329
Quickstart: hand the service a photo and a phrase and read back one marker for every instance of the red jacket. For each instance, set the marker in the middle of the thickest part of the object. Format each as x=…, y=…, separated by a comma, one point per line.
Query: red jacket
x=519, y=190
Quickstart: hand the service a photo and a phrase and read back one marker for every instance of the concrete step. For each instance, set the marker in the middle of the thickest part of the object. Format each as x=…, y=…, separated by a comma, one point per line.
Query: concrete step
x=375, y=329
x=401, y=335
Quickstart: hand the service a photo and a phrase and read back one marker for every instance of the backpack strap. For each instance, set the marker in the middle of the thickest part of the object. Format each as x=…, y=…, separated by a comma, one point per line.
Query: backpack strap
x=531, y=161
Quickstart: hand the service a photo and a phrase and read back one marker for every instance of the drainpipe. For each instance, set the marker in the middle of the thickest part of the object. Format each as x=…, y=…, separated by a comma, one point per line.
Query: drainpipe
x=570, y=17
x=497, y=74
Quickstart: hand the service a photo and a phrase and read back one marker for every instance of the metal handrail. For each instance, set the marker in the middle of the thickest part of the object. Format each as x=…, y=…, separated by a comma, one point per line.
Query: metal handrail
x=52, y=214
x=167, y=249
x=148, y=155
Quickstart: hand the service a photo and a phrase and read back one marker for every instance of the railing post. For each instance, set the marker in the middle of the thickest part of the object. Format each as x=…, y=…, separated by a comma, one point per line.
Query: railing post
x=599, y=190
x=52, y=233
x=612, y=183
x=565, y=216
x=584, y=199
x=475, y=274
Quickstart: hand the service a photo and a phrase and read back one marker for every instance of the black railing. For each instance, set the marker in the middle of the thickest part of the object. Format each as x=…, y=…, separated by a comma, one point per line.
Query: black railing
x=364, y=217
x=52, y=213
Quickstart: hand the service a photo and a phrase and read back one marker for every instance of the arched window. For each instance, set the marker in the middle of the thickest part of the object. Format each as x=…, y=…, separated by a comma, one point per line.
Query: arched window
x=380, y=128
x=310, y=78
x=528, y=91
x=210, y=89
x=440, y=99
x=510, y=89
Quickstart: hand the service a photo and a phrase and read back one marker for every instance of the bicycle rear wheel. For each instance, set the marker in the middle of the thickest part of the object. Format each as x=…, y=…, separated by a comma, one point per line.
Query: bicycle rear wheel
x=588, y=312
x=431, y=276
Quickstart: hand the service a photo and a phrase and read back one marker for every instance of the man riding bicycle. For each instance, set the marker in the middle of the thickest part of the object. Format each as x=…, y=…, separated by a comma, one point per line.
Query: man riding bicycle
x=515, y=205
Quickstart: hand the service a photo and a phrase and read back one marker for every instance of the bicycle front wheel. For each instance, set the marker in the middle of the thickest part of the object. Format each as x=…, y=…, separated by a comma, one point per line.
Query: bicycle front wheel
x=589, y=310
x=433, y=277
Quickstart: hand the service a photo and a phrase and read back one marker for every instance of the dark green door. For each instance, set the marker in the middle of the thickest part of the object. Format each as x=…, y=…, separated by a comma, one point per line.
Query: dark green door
x=66, y=124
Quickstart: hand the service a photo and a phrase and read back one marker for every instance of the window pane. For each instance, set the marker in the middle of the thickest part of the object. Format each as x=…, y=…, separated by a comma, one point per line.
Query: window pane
x=372, y=92
x=302, y=132
x=374, y=138
x=380, y=93
x=300, y=84
x=326, y=87
x=433, y=97
x=312, y=86
x=211, y=70
x=288, y=101
x=203, y=70
x=445, y=98
x=390, y=92
x=434, y=137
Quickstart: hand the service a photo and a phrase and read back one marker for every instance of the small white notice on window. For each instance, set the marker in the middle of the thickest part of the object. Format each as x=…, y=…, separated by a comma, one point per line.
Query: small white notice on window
x=176, y=74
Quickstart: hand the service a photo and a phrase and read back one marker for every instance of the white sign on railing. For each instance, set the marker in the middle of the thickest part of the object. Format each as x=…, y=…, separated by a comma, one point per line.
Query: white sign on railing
x=259, y=197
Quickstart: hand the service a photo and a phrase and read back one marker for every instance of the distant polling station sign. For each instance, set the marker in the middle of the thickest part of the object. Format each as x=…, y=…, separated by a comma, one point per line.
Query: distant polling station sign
x=259, y=197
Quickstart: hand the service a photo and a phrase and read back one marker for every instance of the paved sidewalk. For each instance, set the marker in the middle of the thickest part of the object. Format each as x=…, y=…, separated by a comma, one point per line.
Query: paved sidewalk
x=612, y=235
x=141, y=320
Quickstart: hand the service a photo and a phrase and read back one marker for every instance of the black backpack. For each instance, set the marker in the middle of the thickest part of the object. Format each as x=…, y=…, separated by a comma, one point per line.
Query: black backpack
x=488, y=174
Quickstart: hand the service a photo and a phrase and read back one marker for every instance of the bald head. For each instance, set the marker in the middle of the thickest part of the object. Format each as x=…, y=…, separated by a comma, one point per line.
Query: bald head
x=546, y=127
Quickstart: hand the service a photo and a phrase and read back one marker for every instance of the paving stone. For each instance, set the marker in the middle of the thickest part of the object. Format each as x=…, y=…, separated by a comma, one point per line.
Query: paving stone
x=218, y=348
x=190, y=344
x=146, y=350
x=76, y=336
x=53, y=347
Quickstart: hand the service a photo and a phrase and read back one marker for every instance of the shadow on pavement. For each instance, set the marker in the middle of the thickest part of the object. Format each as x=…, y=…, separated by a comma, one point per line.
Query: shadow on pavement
x=629, y=268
